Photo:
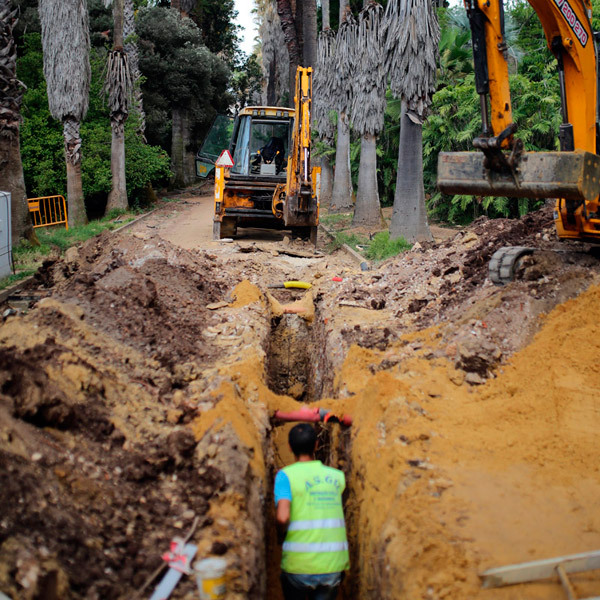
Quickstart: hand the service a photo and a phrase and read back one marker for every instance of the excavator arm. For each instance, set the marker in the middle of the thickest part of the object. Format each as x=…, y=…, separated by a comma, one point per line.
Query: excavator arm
x=501, y=167
x=298, y=200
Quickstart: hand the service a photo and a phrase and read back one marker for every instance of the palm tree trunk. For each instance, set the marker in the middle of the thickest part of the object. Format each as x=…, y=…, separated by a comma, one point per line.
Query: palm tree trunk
x=309, y=30
x=326, y=182
x=288, y=25
x=134, y=65
x=343, y=193
x=177, y=148
x=76, y=204
x=11, y=180
x=409, y=217
x=325, y=14
x=117, y=199
x=368, y=210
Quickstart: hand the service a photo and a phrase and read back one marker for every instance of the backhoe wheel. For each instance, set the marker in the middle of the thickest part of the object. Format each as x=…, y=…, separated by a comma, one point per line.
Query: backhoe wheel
x=505, y=263
x=225, y=228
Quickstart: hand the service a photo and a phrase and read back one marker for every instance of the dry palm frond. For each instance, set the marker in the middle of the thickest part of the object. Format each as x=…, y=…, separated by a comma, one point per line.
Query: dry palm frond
x=11, y=89
x=118, y=87
x=412, y=39
x=66, y=42
x=324, y=88
x=368, y=103
x=345, y=51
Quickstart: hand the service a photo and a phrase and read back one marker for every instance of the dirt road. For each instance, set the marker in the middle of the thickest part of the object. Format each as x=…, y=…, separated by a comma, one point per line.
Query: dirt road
x=139, y=396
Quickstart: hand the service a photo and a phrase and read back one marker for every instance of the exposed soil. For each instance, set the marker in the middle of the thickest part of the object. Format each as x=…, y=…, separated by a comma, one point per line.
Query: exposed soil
x=136, y=400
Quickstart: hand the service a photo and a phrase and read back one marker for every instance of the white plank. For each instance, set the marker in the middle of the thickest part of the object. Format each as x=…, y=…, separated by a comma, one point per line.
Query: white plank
x=540, y=569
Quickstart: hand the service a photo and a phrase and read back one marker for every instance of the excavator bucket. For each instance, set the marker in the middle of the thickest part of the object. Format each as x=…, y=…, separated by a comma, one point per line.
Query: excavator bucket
x=569, y=175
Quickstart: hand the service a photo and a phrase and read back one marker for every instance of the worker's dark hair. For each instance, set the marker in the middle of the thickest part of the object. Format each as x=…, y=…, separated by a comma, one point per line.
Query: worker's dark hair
x=303, y=439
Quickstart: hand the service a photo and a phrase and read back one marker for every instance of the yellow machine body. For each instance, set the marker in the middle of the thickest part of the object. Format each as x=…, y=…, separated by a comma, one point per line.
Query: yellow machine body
x=572, y=175
x=272, y=183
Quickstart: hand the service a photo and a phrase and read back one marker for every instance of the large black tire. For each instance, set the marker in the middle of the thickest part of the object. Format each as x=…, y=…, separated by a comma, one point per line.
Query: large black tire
x=505, y=263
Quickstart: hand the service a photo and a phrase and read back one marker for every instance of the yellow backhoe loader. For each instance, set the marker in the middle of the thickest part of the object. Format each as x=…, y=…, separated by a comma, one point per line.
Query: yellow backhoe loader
x=271, y=183
x=500, y=167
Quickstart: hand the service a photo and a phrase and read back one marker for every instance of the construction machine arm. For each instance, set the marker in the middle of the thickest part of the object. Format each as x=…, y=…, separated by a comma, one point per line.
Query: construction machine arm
x=502, y=168
x=299, y=172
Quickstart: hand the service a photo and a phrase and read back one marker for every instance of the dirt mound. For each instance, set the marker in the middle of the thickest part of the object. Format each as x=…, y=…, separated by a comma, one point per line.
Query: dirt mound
x=97, y=384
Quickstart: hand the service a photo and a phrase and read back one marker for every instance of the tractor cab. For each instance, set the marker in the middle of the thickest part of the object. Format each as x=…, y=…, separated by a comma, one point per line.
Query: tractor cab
x=261, y=141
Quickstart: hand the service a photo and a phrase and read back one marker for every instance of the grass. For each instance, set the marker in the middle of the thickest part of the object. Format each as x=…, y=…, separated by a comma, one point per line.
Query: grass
x=337, y=219
x=382, y=247
x=55, y=240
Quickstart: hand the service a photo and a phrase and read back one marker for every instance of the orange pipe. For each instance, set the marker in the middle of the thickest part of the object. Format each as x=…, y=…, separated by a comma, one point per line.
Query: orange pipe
x=313, y=415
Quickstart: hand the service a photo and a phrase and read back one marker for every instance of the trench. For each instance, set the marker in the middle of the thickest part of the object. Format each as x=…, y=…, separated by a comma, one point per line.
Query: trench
x=297, y=366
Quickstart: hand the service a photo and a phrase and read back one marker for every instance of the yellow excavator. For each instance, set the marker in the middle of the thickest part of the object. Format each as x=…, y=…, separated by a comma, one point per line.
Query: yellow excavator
x=269, y=182
x=500, y=167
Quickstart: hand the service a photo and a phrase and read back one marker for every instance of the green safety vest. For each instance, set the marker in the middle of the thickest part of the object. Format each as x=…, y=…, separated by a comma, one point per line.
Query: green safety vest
x=316, y=540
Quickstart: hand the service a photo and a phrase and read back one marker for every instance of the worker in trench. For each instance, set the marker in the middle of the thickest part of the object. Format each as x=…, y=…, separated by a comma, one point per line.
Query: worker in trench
x=310, y=522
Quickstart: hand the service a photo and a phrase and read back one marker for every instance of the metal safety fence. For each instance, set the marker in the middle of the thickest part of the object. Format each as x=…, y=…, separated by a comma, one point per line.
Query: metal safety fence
x=48, y=210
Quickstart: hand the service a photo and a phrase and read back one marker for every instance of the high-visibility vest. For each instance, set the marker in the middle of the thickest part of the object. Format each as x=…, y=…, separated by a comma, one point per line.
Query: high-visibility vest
x=316, y=541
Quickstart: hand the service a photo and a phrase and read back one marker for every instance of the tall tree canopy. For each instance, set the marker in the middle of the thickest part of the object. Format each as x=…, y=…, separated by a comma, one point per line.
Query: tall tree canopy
x=412, y=48
x=368, y=108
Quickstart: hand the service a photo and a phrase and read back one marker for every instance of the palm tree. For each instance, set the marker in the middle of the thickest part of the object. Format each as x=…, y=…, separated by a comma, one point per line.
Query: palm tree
x=343, y=194
x=309, y=33
x=324, y=99
x=11, y=168
x=131, y=49
x=66, y=44
x=118, y=87
x=412, y=40
x=288, y=26
x=274, y=54
x=368, y=110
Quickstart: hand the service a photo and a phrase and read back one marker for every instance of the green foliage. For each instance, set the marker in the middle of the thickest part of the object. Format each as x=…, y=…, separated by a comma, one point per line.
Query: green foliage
x=180, y=72
x=350, y=239
x=42, y=140
x=246, y=82
x=382, y=247
x=455, y=114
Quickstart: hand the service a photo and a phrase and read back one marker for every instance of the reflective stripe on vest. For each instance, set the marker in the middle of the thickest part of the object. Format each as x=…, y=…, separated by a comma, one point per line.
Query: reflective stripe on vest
x=317, y=524
x=316, y=540
x=315, y=547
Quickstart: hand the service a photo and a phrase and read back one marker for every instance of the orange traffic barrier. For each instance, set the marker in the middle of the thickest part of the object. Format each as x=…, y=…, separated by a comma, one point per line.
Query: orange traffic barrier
x=48, y=210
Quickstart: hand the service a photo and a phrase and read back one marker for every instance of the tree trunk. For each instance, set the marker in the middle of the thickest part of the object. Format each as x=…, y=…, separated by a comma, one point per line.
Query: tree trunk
x=117, y=199
x=326, y=182
x=118, y=9
x=76, y=204
x=288, y=25
x=342, y=199
x=325, y=14
x=177, y=148
x=271, y=84
x=409, y=217
x=134, y=65
x=344, y=6
x=368, y=210
x=11, y=180
x=309, y=29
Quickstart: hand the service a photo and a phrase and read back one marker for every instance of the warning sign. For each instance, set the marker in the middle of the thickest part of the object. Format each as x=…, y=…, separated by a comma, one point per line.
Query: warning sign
x=224, y=160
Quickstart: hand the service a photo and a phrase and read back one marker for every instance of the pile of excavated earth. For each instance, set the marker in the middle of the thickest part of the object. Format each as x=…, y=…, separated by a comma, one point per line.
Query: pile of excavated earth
x=139, y=379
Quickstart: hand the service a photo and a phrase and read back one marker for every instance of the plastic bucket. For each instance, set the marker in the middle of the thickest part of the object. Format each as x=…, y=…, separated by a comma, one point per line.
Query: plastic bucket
x=210, y=577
